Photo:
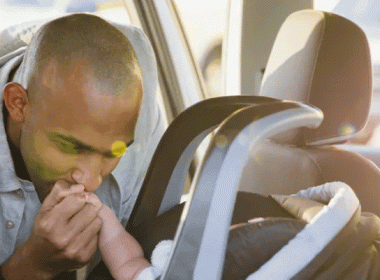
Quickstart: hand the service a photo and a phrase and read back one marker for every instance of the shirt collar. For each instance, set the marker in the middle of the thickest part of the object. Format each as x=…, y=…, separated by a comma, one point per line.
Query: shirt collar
x=8, y=179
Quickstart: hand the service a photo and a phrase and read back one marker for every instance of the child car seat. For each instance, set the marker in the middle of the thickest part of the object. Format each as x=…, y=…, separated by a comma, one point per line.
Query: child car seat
x=252, y=147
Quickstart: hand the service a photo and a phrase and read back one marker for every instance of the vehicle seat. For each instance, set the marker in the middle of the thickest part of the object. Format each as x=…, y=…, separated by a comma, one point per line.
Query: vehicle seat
x=282, y=165
x=321, y=59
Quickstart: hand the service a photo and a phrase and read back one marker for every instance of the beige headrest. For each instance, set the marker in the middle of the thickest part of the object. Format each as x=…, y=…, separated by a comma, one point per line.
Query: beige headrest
x=322, y=59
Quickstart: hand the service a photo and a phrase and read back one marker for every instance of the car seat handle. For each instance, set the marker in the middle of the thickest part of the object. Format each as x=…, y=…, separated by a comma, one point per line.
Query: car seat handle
x=202, y=234
x=164, y=180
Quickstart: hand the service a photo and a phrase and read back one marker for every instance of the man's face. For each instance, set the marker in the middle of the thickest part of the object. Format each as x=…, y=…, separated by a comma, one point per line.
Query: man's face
x=74, y=127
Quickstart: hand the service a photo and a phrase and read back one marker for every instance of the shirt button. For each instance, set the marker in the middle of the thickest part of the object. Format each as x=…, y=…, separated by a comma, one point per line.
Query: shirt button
x=10, y=224
x=20, y=193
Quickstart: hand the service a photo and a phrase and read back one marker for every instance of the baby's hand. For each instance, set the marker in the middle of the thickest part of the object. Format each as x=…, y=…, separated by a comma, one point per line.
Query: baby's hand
x=111, y=226
x=120, y=251
x=93, y=199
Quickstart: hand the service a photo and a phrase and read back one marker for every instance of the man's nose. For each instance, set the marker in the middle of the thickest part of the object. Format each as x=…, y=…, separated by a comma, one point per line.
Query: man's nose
x=88, y=172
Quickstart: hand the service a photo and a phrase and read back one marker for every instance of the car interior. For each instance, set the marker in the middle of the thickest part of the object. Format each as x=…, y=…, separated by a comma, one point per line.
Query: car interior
x=289, y=106
x=266, y=144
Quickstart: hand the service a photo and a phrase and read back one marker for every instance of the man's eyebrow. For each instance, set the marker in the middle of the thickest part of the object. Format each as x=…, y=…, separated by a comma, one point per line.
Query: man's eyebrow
x=80, y=145
x=72, y=140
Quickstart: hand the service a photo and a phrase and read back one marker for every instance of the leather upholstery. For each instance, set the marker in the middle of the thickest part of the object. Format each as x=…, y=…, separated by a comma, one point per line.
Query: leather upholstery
x=282, y=169
x=321, y=59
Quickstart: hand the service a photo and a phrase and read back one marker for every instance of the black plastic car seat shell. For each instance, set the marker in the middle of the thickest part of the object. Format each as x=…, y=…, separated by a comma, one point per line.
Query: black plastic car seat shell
x=200, y=119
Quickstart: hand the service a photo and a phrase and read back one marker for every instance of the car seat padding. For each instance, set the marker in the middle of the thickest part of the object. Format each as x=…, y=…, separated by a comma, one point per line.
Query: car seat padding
x=273, y=233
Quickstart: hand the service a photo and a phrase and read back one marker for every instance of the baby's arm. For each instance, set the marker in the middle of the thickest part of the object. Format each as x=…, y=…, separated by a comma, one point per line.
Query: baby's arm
x=120, y=251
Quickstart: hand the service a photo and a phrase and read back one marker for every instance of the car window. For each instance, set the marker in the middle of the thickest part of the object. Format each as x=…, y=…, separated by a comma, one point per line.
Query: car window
x=14, y=12
x=204, y=22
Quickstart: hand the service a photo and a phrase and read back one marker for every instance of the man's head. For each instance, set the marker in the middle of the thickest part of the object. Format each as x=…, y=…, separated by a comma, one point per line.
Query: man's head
x=81, y=103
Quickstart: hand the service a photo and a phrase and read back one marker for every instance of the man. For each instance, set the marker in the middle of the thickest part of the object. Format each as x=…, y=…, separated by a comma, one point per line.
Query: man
x=73, y=104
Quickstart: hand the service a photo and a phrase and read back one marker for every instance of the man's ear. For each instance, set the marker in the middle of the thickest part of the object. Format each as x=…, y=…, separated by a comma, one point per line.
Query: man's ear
x=16, y=100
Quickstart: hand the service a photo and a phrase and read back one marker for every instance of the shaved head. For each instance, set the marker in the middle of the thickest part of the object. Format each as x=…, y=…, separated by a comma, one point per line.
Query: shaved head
x=93, y=42
x=74, y=102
